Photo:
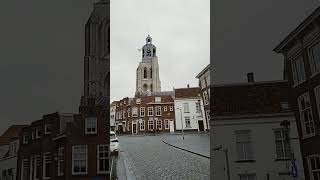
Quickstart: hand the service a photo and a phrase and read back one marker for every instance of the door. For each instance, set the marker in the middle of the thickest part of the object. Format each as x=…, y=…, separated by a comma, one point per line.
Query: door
x=171, y=125
x=120, y=129
x=201, y=126
x=134, y=128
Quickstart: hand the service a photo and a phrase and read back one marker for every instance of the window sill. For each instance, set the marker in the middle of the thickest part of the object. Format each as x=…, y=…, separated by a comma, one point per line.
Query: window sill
x=245, y=161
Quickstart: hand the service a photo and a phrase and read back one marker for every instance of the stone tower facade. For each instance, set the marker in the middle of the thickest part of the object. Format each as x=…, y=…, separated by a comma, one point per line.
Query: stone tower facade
x=147, y=80
x=97, y=54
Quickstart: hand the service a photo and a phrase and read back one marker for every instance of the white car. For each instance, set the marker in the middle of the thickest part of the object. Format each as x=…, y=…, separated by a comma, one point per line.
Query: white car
x=114, y=143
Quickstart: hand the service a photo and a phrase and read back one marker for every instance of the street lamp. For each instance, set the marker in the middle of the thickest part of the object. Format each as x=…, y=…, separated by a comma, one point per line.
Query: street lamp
x=181, y=122
x=225, y=150
x=285, y=124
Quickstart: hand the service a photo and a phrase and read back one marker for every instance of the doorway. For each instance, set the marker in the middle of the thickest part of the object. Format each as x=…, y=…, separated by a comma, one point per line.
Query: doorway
x=171, y=125
x=201, y=126
x=134, y=128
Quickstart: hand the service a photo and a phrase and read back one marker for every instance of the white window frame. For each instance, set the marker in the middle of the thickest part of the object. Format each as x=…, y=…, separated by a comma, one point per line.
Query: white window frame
x=142, y=123
x=46, y=128
x=86, y=125
x=25, y=161
x=306, y=97
x=149, y=124
x=317, y=95
x=159, y=123
x=37, y=134
x=73, y=159
x=171, y=108
x=187, y=118
x=208, y=114
x=150, y=111
x=138, y=101
x=298, y=70
x=124, y=114
x=186, y=107
x=61, y=161
x=157, y=99
x=134, y=112
x=142, y=111
x=25, y=139
x=285, y=146
x=158, y=110
x=36, y=163
x=46, y=160
x=198, y=107
x=165, y=108
x=314, y=63
x=166, y=122
x=246, y=145
x=106, y=149
x=311, y=171
x=205, y=97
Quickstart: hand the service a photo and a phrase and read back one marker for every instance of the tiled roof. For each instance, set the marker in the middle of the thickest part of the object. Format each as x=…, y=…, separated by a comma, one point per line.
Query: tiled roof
x=187, y=92
x=13, y=131
x=6, y=140
x=260, y=98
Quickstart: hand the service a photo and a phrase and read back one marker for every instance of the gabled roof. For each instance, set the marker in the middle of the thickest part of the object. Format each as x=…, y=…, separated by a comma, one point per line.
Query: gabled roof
x=293, y=34
x=13, y=131
x=191, y=92
x=203, y=71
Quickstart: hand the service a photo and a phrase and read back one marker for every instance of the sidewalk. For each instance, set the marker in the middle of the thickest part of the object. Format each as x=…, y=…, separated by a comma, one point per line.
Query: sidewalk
x=195, y=143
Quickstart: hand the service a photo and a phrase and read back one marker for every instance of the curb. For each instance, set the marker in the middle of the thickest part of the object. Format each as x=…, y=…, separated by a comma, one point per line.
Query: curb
x=186, y=150
x=128, y=167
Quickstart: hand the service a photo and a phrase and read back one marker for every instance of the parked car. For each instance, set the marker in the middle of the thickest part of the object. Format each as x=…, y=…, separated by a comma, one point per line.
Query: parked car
x=114, y=143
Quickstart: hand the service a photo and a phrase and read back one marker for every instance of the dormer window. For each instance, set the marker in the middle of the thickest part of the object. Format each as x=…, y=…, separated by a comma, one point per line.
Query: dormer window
x=47, y=129
x=26, y=139
x=138, y=101
x=38, y=134
x=91, y=125
x=158, y=99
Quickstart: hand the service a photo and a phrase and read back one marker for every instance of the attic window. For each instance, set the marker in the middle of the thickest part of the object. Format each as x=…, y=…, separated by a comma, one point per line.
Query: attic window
x=157, y=99
x=26, y=139
x=47, y=129
x=138, y=101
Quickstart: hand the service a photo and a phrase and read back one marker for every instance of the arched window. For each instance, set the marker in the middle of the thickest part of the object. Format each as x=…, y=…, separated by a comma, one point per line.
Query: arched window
x=145, y=73
x=150, y=72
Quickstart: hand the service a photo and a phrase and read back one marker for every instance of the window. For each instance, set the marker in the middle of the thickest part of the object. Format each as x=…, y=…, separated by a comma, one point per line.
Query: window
x=124, y=125
x=314, y=58
x=159, y=124
x=79, y=160
x=317, y=94
x=171, y=108
x=306, y=115
x=158, y=111
x=247, y=176
x=129, y=112
x=47, y=128
x=38, y=134
x=145, y=73
x=243, y=145
x=208, y=114
x=46, y=165
x=203, y=83
x=314, y=166
x=61, y=161
x=198, y=107
x=26, y=139
x=25, y=169
x=124, y=114
x=205, y=97
x=157, y=99
x=150, y=111
x=32, y=134
x=134, y=112
x=165, y=108
x=150, y=124
x=103, y=159
x=166, y=124
x=186, y=107
x=91, y=125
x=283, y=150
x=298, y=71
x=138, y=101
x=142, y=111
x=142, y=125
x=36, y=169
x=187, y=122
x=121, y=115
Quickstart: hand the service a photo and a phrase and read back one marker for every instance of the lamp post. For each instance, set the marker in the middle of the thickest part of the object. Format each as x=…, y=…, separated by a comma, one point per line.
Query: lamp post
x=285, y=124
x=181, y=122
x=225, y=150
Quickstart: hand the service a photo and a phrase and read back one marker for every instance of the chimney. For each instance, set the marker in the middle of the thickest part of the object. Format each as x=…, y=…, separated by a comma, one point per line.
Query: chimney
x=188, y=86
x=250, y=77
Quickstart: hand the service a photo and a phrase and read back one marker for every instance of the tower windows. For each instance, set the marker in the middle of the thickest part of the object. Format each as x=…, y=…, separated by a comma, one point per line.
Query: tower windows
x=145, y=73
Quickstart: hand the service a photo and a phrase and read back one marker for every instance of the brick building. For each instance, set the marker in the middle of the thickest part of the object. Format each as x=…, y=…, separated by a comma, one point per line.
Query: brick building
x=204, y=84
x=301, y=51
x=66, y=146
x=145, y=114
x=247, y=131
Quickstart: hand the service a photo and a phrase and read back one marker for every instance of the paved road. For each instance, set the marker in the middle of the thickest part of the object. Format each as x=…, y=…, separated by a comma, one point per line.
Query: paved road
x=151, y=159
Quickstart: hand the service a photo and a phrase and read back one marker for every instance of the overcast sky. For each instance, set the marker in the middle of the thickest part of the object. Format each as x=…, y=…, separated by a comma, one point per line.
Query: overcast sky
x=180, y=29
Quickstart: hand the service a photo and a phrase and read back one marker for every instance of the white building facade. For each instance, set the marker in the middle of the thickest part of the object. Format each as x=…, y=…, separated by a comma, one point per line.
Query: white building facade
x=189, y=110
x=9, y=160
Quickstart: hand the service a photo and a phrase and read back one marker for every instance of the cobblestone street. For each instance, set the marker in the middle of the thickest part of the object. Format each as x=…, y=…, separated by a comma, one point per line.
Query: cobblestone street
x=147, y=157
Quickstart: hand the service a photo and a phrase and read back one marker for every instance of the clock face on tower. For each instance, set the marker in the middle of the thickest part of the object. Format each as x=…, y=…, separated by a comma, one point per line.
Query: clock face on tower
x=148, y=52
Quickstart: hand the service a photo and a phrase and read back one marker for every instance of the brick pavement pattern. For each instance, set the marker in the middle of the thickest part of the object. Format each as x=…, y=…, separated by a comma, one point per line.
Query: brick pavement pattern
x=153, y=159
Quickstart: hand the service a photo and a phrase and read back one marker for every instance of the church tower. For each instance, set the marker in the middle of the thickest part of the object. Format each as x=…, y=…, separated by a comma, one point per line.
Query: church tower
x=97, y=55
x=148, y=80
